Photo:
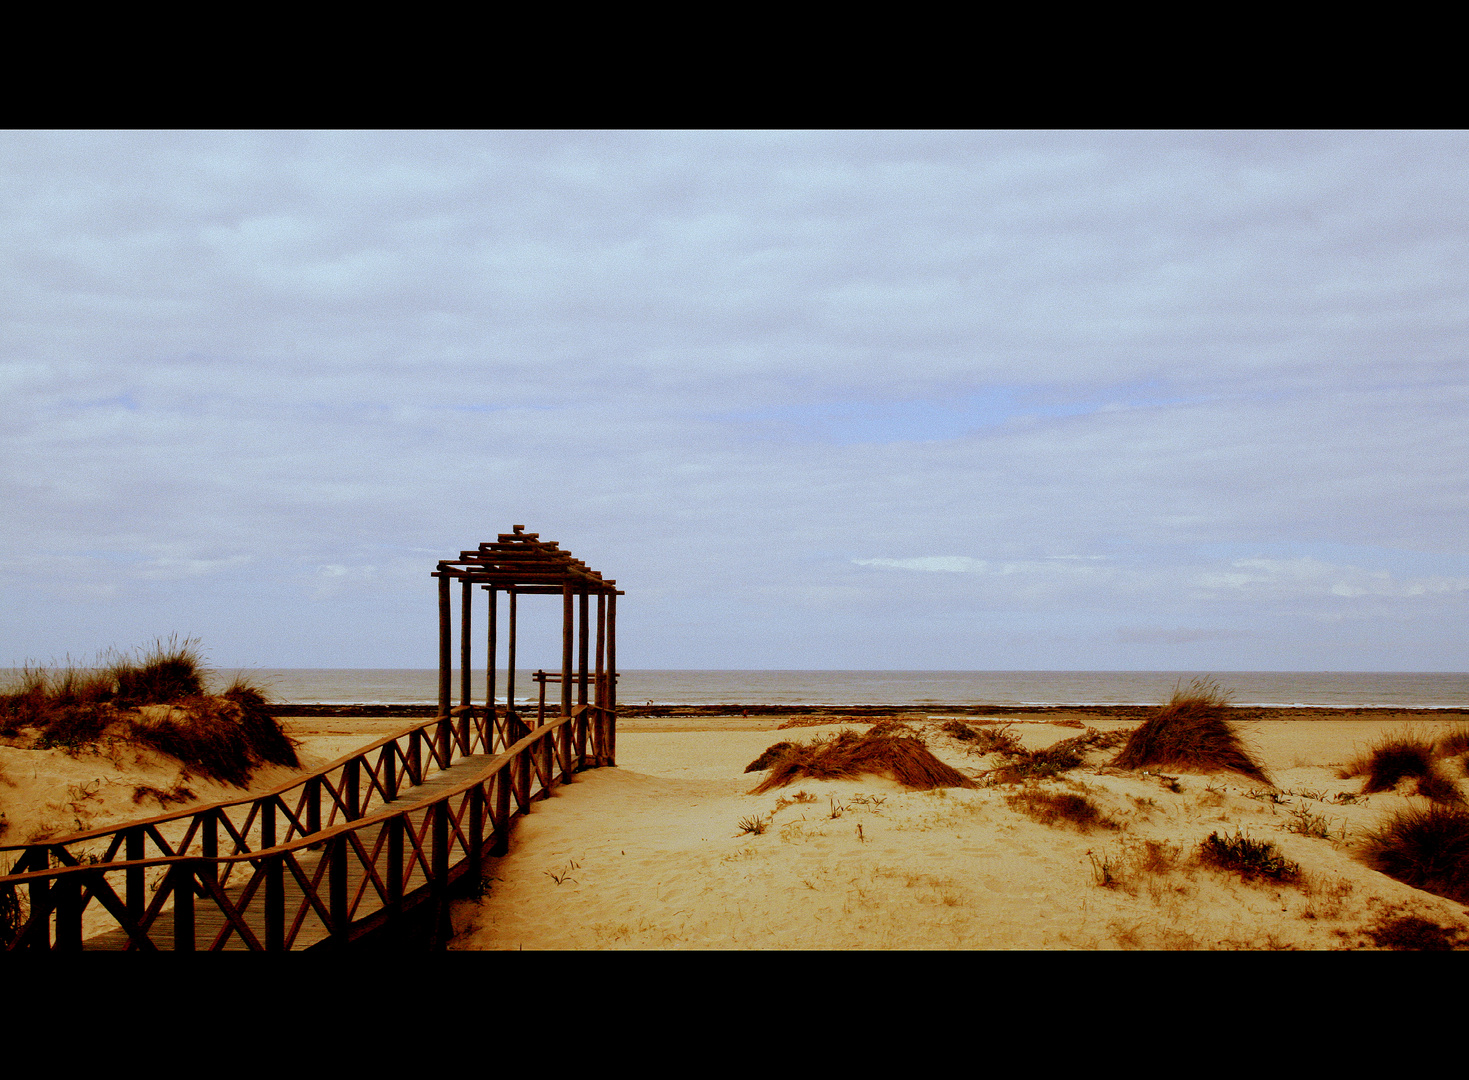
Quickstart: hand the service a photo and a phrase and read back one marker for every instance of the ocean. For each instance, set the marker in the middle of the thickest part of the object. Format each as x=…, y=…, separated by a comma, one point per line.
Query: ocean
x=1343, y=689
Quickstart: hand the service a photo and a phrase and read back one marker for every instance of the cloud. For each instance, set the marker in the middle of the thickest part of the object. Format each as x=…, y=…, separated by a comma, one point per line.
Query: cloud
x=929, y=375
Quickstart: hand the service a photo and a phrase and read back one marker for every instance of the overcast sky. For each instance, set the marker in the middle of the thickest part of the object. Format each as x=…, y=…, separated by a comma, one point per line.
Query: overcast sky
x=1014, y=400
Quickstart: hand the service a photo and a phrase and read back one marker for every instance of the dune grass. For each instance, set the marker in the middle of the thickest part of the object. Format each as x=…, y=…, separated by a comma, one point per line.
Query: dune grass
x=1425, y=847
x=1192, y=731
x=1060, y=807
x=848, y=754
x=1455, y=743
x=1248, y=858
x=1399, y=756
x=225, y=736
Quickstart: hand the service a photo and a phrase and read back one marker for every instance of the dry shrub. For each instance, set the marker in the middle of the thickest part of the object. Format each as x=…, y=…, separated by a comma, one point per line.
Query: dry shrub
x=1248, y=858
x=1396, y=757
x=263, y=732
x=1193, y=731
x=983, y=739
x=848, y=754
x=1426, y=848
x=1067, y=754
x=224, y=736
x=1455, y=743
x=1413, y=932
x=778, y=752
x=170, y=671
x=219, y=737
x=1056, y=807
x=76, y=698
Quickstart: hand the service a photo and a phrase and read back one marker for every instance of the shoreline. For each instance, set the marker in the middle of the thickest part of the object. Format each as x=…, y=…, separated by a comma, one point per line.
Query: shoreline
x=856, y=712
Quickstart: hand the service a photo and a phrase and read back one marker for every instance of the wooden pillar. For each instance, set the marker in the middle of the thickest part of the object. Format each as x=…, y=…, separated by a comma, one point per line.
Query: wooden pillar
x=133, y=851
x=610, y=749
x=183, y=906
x=601, y=648
x=466, y=643
x=510, y=663
x=490, y=648
x=566, y=648
x=66, y=892
x=336, y=886
x=210, y=839
x=446, y=679
x=275, y=885
x=351, y=785
x=582, y=642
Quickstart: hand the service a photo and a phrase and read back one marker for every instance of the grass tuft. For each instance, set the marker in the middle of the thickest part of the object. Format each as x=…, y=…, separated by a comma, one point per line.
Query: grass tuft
x=1056, y=808
x=1426, y=848
x=1401, y=756
x=902, y=757
x=1413, y=932
x=755, y=825
x=169, y=671
x=159, y=699
x=1455, y=743
x=1250, y=859
x=1193, y=730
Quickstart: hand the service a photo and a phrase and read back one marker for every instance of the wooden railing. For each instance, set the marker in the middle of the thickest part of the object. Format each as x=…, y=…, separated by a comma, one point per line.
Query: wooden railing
x=290, y=879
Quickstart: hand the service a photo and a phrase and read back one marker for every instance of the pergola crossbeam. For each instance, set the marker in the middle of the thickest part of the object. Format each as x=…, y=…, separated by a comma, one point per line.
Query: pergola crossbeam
x=520, y=564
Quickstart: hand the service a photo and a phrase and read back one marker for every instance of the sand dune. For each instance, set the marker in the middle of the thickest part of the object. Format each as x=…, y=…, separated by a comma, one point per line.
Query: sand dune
x=651, y=855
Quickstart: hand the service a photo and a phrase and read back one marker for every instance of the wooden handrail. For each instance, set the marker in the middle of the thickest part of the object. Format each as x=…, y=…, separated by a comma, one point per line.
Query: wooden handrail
x=422, y=837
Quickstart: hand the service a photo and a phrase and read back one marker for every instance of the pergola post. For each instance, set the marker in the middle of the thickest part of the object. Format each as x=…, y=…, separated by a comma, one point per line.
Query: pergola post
x=445, y=645
x=581, y=647
x=566, y=648
x=466, y=643
x=601, y=648
x=490, y=649
x=510, y=670
x=611, y=745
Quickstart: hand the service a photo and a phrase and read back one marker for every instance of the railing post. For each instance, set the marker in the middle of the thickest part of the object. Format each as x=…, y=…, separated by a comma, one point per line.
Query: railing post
x=581, y=739
x=546, y=764
x=395, y=827
x=67, y=891
x=415, y=756
x=389, y=763
x=352, y=782
x=476, y=827
x=313, y=805
x=502, y=811
x=133, y=850
x=275, y=892
x=337, y=888
x=442, y=732
x=440, y=862
x=40, y=897
x=182, y=883
x=209, y=846
x=522, y=788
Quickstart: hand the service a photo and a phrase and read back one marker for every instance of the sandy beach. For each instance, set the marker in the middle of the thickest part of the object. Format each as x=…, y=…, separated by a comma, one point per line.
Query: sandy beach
x=670, y=850
x=651, y=854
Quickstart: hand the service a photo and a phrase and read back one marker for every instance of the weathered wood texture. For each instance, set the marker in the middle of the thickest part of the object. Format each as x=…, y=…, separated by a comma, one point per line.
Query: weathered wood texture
x=347, y=852
x=376, y=866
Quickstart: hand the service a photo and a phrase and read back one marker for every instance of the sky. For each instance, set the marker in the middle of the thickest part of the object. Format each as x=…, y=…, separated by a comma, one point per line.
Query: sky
x=1050, y=400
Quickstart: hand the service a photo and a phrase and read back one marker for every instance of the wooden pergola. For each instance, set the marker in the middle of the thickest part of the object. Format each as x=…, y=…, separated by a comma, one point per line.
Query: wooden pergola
x=519, y=563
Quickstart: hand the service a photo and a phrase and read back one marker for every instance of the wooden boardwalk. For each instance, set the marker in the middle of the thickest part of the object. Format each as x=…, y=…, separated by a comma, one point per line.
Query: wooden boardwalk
x=381, y=870
x=368, y=848
x=212, y=929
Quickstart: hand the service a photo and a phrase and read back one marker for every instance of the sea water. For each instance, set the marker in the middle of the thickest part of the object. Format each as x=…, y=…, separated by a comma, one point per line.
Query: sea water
x=412, y=686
